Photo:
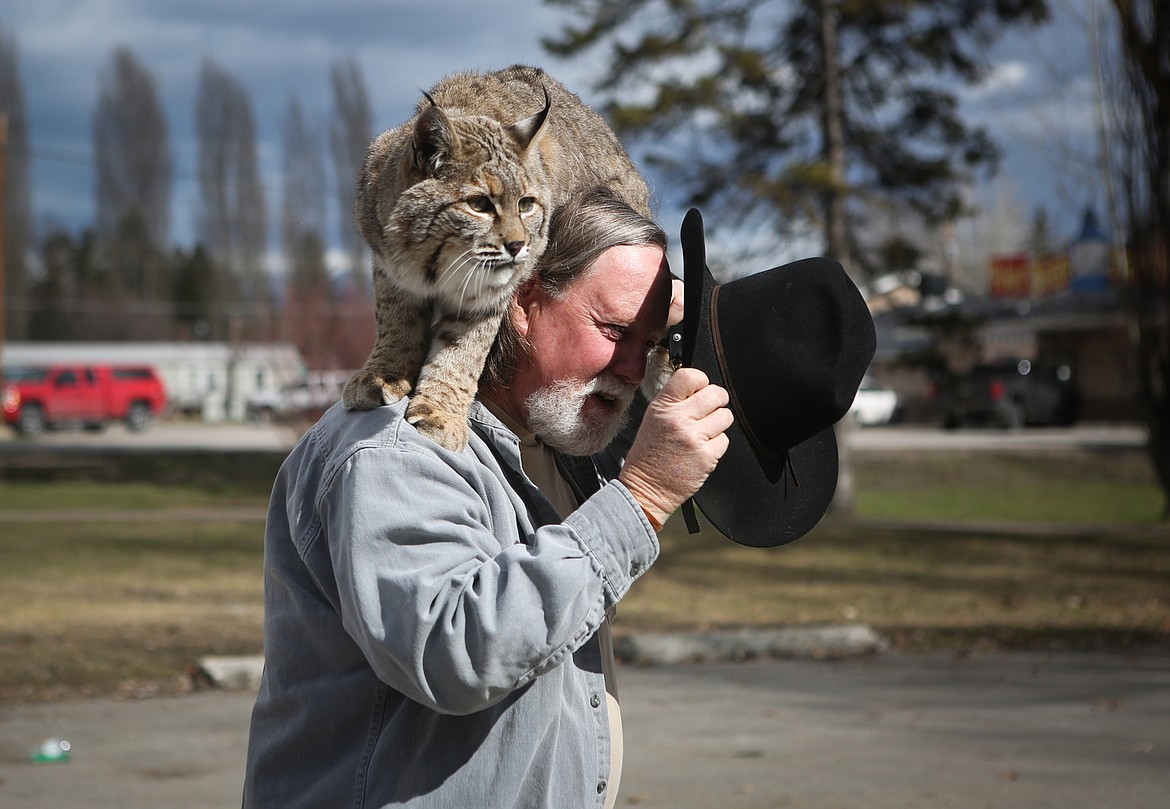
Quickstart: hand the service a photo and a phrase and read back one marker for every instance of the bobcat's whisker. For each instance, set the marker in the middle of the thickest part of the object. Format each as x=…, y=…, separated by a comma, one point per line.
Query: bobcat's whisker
x=476, y=276
x=454, y=266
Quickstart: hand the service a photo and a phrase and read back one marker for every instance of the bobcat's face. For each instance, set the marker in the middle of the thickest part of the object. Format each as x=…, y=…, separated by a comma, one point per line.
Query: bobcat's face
x=501, y=225
x=471, y=232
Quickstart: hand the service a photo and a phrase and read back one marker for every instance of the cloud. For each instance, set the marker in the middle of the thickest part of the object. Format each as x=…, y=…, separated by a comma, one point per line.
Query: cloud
x=1006, y=76
x=276, y=48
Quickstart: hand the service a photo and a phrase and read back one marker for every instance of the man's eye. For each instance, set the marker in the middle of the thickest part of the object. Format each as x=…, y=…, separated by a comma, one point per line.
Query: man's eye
x=526, y=204
x=616, y=331
x=480, y=204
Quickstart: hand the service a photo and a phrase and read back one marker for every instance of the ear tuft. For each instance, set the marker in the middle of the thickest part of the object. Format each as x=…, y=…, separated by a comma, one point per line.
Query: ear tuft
x=526, y=130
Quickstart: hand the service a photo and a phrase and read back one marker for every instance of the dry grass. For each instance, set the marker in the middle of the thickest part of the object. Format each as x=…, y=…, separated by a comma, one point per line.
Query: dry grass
x=921, y=587
x=113, y=607
x=110, y=606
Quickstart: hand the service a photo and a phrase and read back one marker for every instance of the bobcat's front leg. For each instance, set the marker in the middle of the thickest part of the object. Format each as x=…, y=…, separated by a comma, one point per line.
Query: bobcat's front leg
x=450, y=379
x=397, y=353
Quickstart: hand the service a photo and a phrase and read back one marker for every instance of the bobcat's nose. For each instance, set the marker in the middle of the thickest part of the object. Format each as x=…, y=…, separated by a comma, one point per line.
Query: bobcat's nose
x=515, y=247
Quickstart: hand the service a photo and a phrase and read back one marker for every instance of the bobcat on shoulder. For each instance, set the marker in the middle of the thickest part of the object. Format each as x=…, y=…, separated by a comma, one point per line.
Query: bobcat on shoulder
x=455, y=205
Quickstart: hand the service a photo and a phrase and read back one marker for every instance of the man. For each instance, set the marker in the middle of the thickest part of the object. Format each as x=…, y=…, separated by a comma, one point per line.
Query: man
x=434, y=620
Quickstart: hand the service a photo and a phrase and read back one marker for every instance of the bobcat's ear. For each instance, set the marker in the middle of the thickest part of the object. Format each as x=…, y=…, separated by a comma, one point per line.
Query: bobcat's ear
x=527, y=129
x=434, y=139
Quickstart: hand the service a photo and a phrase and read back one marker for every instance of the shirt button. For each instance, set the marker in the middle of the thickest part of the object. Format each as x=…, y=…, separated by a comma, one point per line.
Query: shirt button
x=600, y=787
x=635, y=569
x=595, y=700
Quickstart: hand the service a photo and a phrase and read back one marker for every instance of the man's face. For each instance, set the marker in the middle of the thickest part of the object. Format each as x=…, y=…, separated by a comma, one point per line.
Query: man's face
x=587, y=349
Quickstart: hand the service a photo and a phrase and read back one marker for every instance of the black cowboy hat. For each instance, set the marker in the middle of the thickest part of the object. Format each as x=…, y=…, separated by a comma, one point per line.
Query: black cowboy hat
x=790, y=345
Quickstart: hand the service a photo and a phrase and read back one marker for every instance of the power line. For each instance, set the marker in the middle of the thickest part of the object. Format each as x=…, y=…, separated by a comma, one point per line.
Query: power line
x=185, y=173
x=272, y=186
x=87, y=159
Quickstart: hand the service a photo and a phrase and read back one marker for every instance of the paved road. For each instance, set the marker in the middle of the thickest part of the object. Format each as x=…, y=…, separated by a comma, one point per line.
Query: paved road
x=160, y=437
x=174, y=435
x=1015, y=730
x=919, y=437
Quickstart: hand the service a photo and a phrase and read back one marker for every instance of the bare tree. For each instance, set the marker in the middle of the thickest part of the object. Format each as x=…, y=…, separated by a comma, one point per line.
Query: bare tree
x=349, y=137
x=251, y=211
x=233, y=221
x=133, y=162
x=17, y=227
x=128, y=274
x=302, y=210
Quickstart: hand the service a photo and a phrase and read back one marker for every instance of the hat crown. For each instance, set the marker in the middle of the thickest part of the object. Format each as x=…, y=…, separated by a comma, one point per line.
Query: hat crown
x=793, y=349
x=790, y=345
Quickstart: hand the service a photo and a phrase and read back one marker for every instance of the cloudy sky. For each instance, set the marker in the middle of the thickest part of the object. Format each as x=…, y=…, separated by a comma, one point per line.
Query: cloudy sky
x=1038, y=102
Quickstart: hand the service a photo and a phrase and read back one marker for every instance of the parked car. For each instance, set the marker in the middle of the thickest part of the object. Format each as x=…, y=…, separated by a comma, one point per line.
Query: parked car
x=874, y=403
x=307, y=398
x=39, y=398
x=1009, y=393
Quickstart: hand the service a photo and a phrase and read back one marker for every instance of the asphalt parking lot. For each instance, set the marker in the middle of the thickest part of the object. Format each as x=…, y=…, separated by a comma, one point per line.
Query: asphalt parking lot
x=172, y=435
x=887, y=731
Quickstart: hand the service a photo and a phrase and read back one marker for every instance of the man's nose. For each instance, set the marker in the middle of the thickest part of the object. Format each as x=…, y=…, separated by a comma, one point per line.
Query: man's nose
x=629, y=364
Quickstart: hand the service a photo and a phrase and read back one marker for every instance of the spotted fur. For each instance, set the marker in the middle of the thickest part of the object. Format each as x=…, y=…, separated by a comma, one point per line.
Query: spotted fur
x=455, y=205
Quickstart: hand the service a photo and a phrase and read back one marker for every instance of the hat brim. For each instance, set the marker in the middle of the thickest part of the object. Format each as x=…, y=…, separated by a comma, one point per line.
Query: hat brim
x=750, y=501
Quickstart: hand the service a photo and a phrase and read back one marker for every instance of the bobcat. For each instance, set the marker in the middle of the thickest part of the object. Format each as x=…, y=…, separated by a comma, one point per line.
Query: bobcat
x=455, y=205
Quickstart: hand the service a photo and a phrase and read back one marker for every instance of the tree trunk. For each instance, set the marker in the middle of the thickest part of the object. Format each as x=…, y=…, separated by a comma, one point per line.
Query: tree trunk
x=1145, y=47
x=836, y=240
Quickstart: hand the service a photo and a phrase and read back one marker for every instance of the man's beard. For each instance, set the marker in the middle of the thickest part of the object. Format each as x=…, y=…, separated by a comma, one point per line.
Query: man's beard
x=556, y=414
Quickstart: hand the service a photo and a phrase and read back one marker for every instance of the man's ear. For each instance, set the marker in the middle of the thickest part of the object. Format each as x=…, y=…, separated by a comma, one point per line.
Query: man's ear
x=527, y=298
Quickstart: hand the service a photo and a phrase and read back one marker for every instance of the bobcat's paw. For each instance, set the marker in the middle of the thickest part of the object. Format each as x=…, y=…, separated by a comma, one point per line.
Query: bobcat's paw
x=448, y=430
x=659, y=370
x=365, y=390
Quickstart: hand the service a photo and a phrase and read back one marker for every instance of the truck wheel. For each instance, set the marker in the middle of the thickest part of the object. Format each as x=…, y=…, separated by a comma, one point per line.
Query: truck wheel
x=31, y=420
x=139, y=417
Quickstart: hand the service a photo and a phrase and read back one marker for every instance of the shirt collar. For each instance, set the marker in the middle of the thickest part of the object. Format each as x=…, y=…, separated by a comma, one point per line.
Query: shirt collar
x=527, y=437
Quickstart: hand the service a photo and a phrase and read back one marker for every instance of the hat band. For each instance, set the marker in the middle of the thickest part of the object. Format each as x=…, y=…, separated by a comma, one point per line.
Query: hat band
x=717, y=343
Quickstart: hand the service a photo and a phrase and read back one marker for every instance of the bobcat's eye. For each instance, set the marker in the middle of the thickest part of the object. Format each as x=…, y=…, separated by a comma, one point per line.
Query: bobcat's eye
x=526, y=204
x=481, y=204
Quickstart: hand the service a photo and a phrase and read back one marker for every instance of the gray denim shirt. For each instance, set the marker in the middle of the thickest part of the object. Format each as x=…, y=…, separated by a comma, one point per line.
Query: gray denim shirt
x=430, y=624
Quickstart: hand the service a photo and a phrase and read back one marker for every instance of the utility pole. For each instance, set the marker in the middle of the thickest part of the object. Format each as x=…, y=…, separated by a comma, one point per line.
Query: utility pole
x=3, y=235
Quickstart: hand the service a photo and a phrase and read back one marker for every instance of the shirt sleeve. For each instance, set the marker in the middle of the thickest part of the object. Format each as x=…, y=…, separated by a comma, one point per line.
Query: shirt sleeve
x=446, y=611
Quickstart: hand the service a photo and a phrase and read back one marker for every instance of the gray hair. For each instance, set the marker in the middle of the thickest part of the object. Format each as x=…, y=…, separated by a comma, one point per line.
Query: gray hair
x=580, y=231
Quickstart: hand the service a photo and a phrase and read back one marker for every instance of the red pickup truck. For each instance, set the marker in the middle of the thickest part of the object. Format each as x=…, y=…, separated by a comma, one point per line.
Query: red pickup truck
x=36, y=398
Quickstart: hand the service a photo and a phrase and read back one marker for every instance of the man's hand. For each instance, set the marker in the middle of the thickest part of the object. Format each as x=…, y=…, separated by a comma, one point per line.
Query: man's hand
x=678, y=445
x=675, y=315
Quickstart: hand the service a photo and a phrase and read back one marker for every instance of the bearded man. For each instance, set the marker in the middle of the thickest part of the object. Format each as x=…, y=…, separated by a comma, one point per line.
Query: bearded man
x=436, y=622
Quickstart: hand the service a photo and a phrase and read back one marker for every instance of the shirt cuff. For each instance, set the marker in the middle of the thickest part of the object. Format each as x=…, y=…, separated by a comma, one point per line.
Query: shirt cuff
x=615, y=528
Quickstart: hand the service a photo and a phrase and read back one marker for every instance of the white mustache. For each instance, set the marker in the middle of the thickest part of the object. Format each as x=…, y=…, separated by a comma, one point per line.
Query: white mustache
x=612, y=388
